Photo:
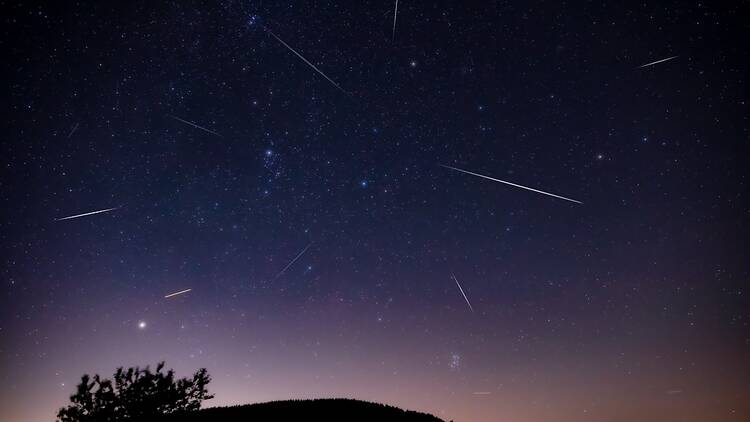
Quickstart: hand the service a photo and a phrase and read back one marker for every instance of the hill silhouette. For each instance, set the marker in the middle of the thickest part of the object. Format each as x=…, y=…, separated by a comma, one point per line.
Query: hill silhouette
x=304, y=410
x=139, y=394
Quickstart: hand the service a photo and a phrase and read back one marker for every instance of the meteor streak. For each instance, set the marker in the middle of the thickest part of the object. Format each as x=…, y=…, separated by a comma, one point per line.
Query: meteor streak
x=85, y=214
x=511, y=184
x=482, y=393
x=72, y=131
x=196, y=126
x=462, y=292
x=395, y=12
x=657, y=62
x=294, y=260
x=304, y=59
x=177, y=293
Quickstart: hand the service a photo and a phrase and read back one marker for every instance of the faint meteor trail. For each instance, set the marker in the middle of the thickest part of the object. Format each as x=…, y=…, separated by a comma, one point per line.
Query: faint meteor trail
x=511, y=184
x=395, y=13
x=85, y=214
x=72, y=131
x=196, y=126
x=304, y=59
x=482, y=393
x=294, y=260
x=177, y=293
x=462, y=292
x=657, y=62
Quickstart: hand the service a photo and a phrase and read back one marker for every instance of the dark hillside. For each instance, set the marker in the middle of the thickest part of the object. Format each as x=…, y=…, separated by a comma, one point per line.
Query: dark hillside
x=306, y=410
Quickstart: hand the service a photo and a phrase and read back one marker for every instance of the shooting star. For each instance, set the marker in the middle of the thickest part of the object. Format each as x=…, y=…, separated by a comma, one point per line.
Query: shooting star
x=511, y=184
x=657, y=62
x=482, y=393
x=304, y=60
x=294, y=260
x=177, y=293
x=86, y=214
x=674, y=391
x=72, y=131
x=395, y=13
x=462, y=291
x=196, y=126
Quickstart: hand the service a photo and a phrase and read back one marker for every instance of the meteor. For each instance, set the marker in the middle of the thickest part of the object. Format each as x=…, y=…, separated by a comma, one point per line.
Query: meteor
x=196, y=126
x=482, y=393
x=177, y=293
x=462, y=292
x=511, y=184
x=395, y=12
x=294, y=260
x=304, y=59
x=72, y=131
x=85, y=214
x=657, y=62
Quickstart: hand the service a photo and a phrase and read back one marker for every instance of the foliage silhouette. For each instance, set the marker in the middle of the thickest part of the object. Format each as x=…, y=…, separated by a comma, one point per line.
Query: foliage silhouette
x=135, y=395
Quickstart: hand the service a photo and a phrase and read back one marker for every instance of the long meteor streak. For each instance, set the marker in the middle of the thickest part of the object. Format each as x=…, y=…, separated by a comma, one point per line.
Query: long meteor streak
x=395, y=13
x=85, y=214
x=177, y=293
x=657, y=62
x=294, y=260
x=511, y=184
x=305, y=60
x=196, y=126
x=462, y=292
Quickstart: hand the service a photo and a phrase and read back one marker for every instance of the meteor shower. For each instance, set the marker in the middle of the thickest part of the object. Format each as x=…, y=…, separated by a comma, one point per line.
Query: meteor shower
x=466, y=211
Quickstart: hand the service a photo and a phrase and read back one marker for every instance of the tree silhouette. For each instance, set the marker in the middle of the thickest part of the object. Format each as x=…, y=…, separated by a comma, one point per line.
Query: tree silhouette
x=136, y=394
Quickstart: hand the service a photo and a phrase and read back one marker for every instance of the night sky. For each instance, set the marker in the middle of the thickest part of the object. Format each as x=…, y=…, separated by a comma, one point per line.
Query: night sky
x=227, y=158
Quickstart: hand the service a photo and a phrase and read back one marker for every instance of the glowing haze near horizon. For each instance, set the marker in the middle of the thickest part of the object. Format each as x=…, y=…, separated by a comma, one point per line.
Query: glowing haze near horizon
x=227, y=155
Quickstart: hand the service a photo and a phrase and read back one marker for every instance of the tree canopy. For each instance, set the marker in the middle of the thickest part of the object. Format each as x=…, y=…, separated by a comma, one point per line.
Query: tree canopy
x=135, y=394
